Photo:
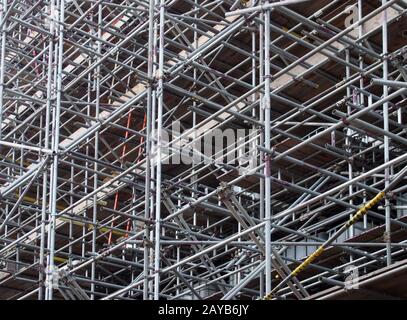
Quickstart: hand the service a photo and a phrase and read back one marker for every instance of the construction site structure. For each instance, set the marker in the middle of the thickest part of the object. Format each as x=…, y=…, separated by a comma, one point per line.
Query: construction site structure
x=203, y=149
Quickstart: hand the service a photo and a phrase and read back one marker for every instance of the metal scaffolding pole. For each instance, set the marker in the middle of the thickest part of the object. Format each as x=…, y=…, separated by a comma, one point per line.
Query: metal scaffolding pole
x=197, y=149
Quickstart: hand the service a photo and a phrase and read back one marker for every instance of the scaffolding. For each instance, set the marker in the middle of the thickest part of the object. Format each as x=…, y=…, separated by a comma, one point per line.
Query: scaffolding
x=200, y=149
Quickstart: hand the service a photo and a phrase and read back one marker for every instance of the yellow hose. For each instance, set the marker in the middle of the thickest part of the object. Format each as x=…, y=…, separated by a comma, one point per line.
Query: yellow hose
x=361, y=212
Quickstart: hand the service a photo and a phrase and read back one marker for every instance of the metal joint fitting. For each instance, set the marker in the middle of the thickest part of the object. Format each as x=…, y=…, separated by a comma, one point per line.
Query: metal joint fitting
x=345, y=122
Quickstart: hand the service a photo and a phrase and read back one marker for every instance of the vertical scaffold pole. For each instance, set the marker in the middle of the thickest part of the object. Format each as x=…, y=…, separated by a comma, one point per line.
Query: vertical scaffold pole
x=3, y=8
x=146, y=251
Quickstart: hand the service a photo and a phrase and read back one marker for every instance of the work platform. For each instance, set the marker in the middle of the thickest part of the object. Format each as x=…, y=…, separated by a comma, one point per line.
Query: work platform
x=200, y=149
